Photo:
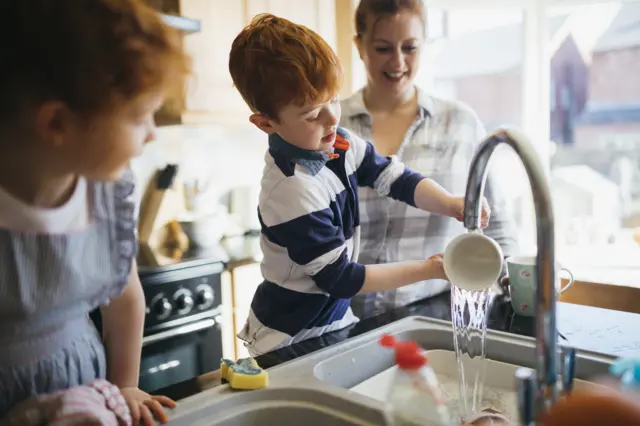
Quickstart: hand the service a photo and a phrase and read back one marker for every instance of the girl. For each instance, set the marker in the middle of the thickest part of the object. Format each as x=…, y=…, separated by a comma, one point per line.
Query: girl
x=80, y=82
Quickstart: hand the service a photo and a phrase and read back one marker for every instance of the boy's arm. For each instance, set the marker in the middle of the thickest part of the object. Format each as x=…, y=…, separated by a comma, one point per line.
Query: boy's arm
x=389, y=276
x=431, y=197
x=389, y=177
x=305, y=228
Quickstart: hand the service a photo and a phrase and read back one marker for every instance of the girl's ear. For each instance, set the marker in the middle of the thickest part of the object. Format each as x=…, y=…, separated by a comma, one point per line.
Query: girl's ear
x=54, y=122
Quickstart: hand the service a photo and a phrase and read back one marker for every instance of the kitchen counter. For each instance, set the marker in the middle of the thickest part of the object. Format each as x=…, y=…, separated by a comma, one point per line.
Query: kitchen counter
x=232, y=251
x=602, y=330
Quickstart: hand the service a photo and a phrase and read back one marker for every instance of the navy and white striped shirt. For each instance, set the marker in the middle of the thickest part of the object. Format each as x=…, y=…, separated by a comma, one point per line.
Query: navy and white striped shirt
x=308, y=211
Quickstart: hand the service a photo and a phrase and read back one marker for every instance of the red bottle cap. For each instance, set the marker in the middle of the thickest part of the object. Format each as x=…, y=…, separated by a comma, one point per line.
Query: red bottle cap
x=408, y=355
x=388, y=341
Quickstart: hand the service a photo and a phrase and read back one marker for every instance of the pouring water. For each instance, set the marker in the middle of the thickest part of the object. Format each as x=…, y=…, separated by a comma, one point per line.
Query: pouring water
x=473, y=263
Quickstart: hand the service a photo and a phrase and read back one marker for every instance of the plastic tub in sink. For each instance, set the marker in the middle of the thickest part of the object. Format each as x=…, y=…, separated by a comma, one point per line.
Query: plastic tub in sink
x=497, y=392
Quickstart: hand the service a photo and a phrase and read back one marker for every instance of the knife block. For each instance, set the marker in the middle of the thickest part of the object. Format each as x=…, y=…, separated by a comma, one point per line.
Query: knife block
x=158, y=209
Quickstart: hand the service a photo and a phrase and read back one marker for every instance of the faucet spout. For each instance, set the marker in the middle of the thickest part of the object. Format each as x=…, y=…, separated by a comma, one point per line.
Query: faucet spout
x=546, y=379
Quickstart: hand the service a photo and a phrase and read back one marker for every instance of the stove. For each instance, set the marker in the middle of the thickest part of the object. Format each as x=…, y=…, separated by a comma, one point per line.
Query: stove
x=184, y=318
x=183, y=324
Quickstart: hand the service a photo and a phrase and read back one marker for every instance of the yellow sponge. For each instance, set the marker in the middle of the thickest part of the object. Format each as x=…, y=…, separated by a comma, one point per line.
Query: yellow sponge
x=244, y=374
x=224, y=369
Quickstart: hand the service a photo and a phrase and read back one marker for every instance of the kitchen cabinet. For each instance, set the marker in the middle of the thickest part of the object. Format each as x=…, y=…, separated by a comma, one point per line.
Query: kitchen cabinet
x=319, y=15
x=210, y=97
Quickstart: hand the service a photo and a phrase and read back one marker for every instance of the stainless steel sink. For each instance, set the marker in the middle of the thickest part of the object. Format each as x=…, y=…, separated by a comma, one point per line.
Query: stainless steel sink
x=344, y=384
x=284, y=406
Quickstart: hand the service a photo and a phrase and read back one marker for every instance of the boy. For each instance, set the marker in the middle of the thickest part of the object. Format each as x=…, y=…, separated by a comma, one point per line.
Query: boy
x=308, y=207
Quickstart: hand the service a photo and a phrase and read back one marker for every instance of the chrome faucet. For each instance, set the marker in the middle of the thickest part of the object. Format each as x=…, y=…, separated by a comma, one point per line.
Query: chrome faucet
x=535, y=393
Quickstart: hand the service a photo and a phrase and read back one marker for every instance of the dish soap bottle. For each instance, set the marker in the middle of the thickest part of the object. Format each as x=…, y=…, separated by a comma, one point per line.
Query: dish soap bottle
x=414, y=397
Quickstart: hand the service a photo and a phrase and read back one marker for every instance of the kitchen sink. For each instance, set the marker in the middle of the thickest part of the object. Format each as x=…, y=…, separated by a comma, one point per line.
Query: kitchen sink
x=497, y=391
x=286, y=406
x=368, y=368
x=345, y=384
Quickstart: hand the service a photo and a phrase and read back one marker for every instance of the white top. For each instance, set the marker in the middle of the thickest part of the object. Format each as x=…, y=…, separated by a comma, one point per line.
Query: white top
x=22, y=217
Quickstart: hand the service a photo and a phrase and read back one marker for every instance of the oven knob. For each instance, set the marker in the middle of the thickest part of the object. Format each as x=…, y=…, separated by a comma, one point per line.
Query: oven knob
x=184, y=303
x=204, y=298
x=162, y=308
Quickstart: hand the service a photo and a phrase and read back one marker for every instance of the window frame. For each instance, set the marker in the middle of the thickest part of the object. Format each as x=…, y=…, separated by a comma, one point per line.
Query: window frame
x=536, y=82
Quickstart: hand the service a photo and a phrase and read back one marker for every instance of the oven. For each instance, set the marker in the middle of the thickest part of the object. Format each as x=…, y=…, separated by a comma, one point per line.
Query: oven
x=183, y=324
x=181, y=353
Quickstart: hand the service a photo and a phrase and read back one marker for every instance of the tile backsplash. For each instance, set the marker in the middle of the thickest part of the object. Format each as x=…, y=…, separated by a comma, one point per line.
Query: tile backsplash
x=226, y=158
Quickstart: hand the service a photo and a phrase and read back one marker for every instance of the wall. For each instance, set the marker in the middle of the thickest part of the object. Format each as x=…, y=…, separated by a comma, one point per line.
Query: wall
x=614, y=76
x=497, y=98
x=599, y=136
x=230, y=157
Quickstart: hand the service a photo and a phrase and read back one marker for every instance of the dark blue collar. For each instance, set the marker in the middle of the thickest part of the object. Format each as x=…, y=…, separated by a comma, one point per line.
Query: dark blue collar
x=311, y=160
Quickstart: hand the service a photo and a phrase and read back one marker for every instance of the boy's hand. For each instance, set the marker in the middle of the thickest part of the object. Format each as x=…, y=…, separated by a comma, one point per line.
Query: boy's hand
x=145, y=407
x=435, y=268
x=457, y=210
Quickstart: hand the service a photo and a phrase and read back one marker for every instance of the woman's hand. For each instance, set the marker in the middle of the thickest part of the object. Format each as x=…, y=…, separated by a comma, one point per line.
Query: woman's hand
x=145, y=407
x=457, y=210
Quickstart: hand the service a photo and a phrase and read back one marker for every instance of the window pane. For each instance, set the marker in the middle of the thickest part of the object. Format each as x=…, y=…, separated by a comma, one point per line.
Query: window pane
x=595, y=133
x=477, y=59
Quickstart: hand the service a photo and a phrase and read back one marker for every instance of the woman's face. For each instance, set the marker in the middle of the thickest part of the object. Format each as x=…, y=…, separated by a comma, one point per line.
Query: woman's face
x=391, y=50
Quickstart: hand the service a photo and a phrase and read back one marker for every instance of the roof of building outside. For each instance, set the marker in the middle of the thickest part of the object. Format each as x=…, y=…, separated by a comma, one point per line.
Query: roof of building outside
x=485, y=52
x=584, y=177
x=624, y=31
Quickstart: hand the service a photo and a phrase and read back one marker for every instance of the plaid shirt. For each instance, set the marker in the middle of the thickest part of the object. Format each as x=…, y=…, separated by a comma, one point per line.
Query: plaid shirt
x=440, y=144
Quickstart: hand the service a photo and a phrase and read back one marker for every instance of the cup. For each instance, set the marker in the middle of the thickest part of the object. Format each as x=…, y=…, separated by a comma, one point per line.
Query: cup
x=473, y=261
x=522, y=283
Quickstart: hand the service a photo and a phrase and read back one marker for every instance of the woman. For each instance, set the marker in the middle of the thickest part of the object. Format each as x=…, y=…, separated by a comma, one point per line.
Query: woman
x=433, y=136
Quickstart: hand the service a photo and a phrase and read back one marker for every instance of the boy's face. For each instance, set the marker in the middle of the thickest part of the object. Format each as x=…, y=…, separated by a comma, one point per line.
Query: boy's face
x=311, y=127
x=101, y=146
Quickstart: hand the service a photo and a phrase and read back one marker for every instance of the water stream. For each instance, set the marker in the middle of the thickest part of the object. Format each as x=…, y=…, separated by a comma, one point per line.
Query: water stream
x=469, y=312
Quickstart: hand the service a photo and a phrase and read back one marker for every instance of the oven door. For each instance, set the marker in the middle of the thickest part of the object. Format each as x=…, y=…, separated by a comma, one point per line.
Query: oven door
x=181, y=352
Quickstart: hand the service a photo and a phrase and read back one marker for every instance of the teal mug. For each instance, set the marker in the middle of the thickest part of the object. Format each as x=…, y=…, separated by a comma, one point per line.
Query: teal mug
x=522, y=283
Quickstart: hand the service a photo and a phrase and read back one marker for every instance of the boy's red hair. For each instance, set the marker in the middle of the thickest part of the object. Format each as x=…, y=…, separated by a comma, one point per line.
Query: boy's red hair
x=274, y=62
x=88, y=54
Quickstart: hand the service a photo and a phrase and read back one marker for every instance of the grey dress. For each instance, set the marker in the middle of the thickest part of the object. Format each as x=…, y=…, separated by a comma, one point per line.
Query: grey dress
x=48, y=285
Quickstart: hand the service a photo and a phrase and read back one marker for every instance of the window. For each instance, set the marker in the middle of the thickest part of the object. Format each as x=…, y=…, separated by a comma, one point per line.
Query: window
x=566, y=72
x=479, y=60
x=490, y=58
x=595, y=169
